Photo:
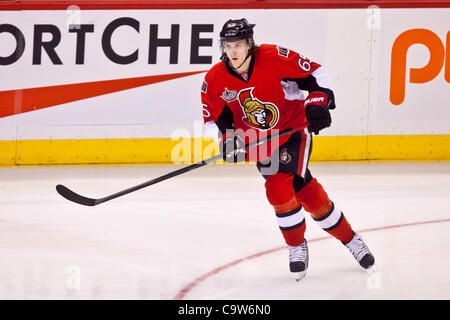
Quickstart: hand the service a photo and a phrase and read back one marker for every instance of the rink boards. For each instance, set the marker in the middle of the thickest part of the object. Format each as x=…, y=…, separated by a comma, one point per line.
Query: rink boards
x=123, y=86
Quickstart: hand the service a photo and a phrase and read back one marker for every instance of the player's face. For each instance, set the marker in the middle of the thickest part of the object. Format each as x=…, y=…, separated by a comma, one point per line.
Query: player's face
x=236, y=51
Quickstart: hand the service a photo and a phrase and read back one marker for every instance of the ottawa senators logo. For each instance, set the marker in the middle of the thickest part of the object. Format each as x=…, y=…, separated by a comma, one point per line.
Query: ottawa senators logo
x=204, y=86
x=285, y=157
x=283, y=52
x=260, y=115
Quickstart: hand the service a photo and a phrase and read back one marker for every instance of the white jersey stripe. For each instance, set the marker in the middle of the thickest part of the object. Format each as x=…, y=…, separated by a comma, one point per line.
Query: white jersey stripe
x=306, y=152
x=322, y=78
x=292, y=91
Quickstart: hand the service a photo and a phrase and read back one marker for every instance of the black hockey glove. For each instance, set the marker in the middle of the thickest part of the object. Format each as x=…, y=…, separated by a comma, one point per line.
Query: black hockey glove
x=317, y=112
x=232, y=147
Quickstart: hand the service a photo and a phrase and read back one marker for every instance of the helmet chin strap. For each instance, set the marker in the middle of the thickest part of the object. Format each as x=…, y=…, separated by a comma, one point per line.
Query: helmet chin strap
x=248, y=55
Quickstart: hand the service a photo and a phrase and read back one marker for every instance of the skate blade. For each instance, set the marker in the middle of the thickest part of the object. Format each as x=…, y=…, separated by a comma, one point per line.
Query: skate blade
x=300, y=275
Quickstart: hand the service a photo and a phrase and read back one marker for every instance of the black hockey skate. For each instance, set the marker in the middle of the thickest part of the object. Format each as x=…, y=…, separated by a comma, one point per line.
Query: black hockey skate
x=360, y=252
x=298, y=259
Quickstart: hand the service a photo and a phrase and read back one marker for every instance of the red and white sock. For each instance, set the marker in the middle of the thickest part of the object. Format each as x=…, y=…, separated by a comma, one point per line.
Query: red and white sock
x=334, y=223
x=330, y=218
x=292, y=225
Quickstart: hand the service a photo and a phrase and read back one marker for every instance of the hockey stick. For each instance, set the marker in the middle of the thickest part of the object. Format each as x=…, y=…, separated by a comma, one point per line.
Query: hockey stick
x=77, y=198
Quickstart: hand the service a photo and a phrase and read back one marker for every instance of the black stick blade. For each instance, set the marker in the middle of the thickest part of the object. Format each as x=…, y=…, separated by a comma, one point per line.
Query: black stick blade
x=74, y=197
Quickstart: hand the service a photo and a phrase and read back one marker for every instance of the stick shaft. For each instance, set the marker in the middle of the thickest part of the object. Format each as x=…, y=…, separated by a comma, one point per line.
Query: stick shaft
x=72, y=196
x=188, y=168
x=153, y=181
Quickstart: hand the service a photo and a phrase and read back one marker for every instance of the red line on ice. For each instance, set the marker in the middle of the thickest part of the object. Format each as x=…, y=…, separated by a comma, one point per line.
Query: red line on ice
x=183, y=292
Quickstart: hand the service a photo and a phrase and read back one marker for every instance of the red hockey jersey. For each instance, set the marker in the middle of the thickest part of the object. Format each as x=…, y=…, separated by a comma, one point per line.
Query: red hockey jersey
x=270, y=99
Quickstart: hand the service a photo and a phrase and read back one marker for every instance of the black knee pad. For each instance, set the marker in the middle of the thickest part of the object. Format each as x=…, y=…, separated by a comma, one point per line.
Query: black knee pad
x=298, y=182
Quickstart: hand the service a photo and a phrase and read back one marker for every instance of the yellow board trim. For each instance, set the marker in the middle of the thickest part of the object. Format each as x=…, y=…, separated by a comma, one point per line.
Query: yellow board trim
x=7, y=152
x=169, y=151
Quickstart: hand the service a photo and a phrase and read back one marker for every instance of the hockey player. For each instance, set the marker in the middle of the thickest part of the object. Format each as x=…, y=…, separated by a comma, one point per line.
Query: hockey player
x=261, y=89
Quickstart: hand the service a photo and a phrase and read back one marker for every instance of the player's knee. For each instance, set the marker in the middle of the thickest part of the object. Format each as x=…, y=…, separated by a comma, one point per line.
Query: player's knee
x=280, y=193
x=314, y=199
x=299, y=182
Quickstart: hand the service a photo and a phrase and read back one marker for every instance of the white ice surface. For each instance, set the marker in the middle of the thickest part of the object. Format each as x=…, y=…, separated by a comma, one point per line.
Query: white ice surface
x=155, y=242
